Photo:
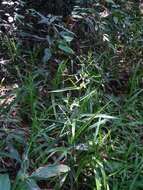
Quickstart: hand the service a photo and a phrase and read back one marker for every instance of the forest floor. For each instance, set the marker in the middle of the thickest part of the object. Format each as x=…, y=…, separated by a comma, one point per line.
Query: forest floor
x=71, y=97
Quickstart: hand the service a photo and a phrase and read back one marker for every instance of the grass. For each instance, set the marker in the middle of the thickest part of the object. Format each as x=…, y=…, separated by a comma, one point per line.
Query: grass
x=81, y=123
x=97, y=135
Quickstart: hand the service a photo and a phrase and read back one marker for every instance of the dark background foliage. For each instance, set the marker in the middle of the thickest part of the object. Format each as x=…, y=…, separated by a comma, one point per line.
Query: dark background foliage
x=71, y=94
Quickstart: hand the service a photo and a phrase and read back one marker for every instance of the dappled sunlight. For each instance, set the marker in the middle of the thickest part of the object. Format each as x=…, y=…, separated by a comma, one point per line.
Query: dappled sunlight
x=71, y=86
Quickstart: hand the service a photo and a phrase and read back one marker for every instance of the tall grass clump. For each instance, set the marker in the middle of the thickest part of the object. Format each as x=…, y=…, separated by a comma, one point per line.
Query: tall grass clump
x=71, y=97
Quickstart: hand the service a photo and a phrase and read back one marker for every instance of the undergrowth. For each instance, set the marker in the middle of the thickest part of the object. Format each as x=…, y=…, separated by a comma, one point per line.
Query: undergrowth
x=71, y=108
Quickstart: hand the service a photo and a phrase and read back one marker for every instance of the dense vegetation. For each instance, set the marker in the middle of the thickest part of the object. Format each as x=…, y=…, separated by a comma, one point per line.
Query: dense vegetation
x=71, y=88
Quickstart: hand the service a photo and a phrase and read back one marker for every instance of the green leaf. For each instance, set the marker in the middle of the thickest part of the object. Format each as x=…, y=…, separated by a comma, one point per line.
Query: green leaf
x=4, y=182
x=50, y=171
x=12, y=155
x=110, y=1
x=115, y=20
x=63, y=45
x=66, y=48
x=31, y=185
x=65, y=89
x=68, y=37
x=47, y=55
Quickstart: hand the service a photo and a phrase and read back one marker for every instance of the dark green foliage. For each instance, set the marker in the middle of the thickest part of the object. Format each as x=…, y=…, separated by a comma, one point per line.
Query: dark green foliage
x=71, y=96
x=54, y=7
